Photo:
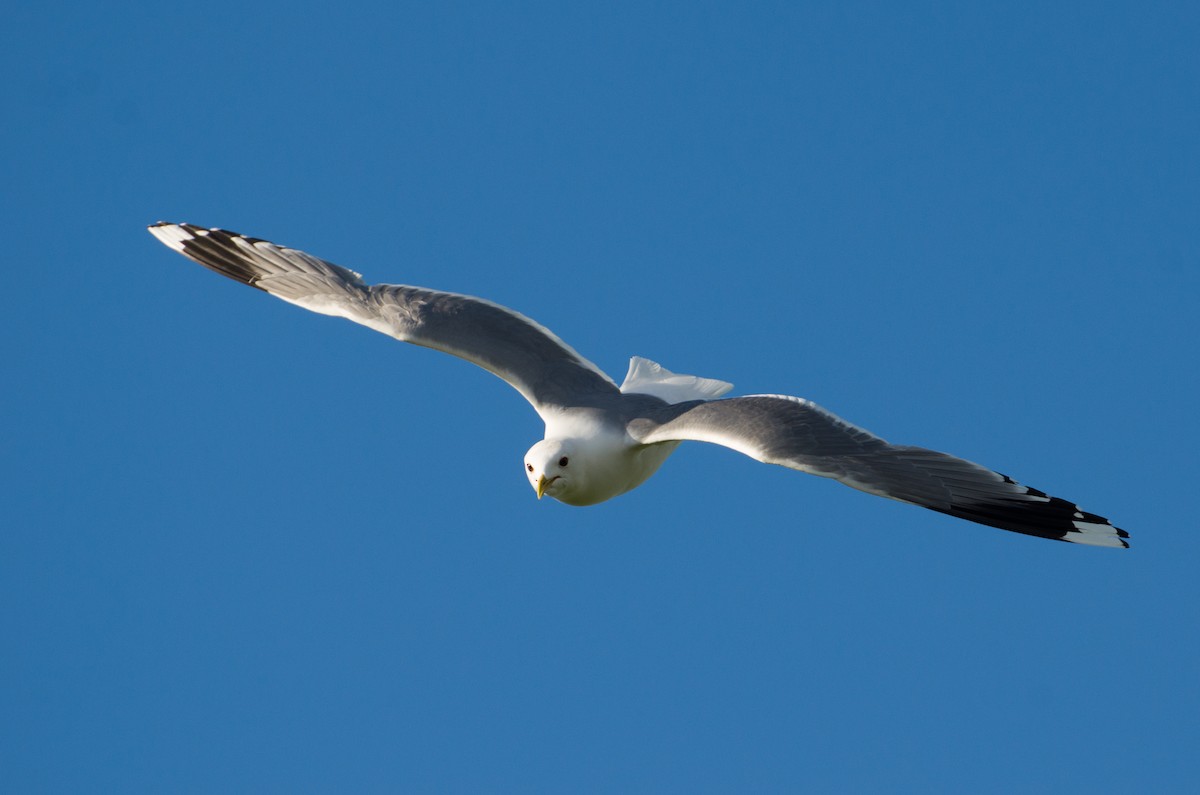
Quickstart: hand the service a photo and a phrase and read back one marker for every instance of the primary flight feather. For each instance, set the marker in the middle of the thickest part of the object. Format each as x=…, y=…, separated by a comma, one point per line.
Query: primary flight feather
x=602, y=440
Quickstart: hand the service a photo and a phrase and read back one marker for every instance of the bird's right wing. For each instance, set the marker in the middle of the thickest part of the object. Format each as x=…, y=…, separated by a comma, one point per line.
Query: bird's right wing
x=543, y=368
x=796, y=433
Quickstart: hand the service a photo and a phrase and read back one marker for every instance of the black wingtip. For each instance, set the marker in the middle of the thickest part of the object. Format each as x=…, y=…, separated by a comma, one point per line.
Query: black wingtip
x=215, y=249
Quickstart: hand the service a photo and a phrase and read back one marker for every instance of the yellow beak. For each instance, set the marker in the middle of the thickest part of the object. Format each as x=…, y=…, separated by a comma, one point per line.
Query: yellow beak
x=541, y=486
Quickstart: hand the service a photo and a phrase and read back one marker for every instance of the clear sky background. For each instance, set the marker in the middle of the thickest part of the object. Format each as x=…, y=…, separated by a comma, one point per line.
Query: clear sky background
x=246, y=548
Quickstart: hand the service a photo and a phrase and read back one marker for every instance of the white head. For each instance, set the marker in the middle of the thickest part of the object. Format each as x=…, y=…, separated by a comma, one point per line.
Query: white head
x=553, y=468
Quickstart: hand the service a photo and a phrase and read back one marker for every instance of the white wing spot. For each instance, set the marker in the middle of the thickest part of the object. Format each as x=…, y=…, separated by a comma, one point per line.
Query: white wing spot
x=171, y=236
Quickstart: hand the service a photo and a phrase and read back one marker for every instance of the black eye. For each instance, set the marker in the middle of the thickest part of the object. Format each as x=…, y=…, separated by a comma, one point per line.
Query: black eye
x=562, y=462
x=529, y=467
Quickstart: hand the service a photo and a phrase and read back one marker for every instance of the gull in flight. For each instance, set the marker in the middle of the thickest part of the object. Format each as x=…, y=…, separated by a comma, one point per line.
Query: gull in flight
x=602, y=439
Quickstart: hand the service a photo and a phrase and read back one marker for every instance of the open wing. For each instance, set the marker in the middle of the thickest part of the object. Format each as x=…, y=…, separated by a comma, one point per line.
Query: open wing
x=795, y=433
x=543, y=368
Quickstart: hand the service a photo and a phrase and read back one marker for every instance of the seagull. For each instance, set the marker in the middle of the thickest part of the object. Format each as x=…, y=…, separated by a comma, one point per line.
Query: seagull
x=603, y=440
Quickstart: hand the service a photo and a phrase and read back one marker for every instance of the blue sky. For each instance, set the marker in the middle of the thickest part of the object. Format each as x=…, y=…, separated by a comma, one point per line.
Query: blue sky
x=250, y=549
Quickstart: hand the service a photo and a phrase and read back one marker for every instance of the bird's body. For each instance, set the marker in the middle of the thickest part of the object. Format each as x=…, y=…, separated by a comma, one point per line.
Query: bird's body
x=603, y=440
x=604, y=461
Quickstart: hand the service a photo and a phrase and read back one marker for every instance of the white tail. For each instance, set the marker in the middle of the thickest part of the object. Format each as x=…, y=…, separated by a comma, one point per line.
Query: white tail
x=650, y=378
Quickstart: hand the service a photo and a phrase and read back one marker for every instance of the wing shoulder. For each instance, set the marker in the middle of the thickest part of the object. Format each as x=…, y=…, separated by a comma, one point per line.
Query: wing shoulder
x=774, y=429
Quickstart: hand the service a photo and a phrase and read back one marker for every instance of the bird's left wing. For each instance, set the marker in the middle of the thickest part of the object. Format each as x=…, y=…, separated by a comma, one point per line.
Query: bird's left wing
x=543, y=368
x=796, y=433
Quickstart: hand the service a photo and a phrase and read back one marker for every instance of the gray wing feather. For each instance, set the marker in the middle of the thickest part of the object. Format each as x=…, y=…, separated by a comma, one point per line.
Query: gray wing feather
x=799, y=434
x=544, y=369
